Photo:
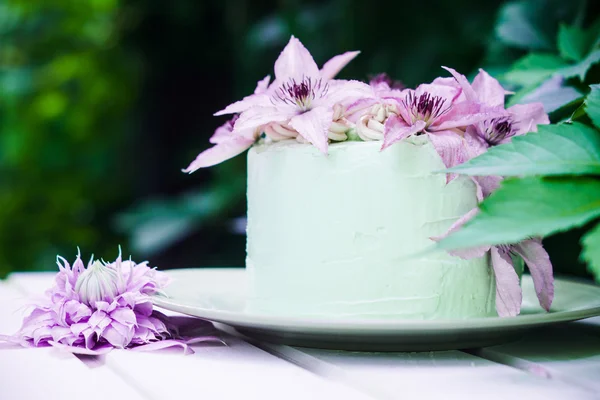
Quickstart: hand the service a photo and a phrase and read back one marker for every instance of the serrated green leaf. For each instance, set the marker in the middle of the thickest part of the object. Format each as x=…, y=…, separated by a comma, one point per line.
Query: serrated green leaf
x=591, y=251
x=581, y=68
x=572, y=42
x=592, y=105
x=534, y=68
x=523, y=208
x=565, y=149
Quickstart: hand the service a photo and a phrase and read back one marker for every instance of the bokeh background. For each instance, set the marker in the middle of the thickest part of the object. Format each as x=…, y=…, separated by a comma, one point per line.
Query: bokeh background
x=102, y=102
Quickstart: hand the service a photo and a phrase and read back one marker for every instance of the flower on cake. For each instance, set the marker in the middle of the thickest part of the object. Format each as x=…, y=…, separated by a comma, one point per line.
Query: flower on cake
x=302, y=102
x=104, y=306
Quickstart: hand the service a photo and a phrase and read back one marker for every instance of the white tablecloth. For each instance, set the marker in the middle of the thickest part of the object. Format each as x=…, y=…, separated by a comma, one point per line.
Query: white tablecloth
x=561, y=362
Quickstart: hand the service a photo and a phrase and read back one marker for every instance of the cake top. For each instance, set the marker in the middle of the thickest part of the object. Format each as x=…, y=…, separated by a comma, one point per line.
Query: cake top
x=307, y=104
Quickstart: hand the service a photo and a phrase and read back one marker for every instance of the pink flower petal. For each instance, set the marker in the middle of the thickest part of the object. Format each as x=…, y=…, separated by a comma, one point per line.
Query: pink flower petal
x=465, y=254
x=445, y=92
x=313, y=126
x=464, y=84
x=258, y=116
x=465, y=114
x=450, y=146
x=125, y=316
x=475, y=143
x=262, y=85
x=526, y=117
x=332, y=67
x=488, y=89
x=508, y=290
x=295, y=62
x=359, y=108
x=219, y=153
x=540, y=267
x=344, y=92
x=396, y=129
x=254, y=100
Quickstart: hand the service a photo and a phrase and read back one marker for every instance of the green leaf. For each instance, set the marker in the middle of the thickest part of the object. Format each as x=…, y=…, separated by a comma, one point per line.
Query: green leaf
x=517, y=26
x=592, y=105
x=528, y=207
x=581, y=68
x=591, y=251
x=572, y=42
x=565, y=149
x=534, y=68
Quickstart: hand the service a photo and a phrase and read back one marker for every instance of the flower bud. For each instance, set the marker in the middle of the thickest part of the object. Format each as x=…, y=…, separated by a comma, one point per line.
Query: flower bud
x=97, y=283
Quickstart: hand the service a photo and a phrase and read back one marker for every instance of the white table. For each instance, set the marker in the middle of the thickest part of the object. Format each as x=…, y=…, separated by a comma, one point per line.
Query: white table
x=562, y=362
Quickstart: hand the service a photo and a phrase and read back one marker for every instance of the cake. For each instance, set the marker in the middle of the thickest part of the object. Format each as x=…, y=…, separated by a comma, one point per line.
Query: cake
x=336, y=236
x=347, y=194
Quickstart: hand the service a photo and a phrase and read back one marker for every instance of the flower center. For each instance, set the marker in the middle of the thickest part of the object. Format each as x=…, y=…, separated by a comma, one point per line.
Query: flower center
x=97, y=283
x=498, y=129
x=425, y=107
x=301, y=94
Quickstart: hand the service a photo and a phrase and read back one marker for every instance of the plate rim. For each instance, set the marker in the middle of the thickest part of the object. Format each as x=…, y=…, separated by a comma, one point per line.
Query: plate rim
x=371, y=325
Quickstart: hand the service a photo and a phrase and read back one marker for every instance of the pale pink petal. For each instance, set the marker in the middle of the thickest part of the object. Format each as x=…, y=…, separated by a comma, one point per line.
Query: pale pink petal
x=222, y=133
x=508, y=289
x=262, y=85
x=313, y=126
x=464, y=84
x=258, y=116
x=332, y=67
x=219, y=153
x=450, y=146
x=447, y=93
x=540, y=267
x=475, y=143
x=469, y=253
x=254, y=100
x=396, y=129
x=344, y=92
x=526, y=117
x=446, y=82
x=488, y=89
x=359, y=108
x=295, y=62
x=465, y=114
x=486, y=185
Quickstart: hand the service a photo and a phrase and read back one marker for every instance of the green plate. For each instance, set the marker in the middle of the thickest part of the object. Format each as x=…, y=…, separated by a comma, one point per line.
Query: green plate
x=221, y=295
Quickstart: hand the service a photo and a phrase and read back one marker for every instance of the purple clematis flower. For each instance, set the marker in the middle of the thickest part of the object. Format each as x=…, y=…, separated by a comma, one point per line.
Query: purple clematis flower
x=508, y=289
x=104, y=306
x=302, y=98
x=437, y=110
x=517, y=120
x=301, y=103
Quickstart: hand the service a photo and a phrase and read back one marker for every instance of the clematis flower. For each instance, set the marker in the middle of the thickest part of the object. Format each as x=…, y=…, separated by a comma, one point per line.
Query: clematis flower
x=302, y=98
x=104, y=306
x=279, y=108
x=508, y=290
x=517, y=120
x=437, y=110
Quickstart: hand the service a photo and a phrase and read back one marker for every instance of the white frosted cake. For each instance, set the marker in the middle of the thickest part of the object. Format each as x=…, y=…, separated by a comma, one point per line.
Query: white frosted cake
x=333, y=236
x=346, y=194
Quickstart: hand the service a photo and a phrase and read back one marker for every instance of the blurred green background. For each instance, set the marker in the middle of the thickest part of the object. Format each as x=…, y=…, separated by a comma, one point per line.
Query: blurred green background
x=102, y=102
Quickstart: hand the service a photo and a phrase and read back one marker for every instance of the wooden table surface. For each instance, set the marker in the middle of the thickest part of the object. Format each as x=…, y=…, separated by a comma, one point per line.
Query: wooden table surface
x=561, y=362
